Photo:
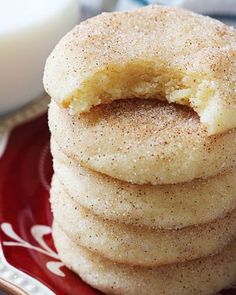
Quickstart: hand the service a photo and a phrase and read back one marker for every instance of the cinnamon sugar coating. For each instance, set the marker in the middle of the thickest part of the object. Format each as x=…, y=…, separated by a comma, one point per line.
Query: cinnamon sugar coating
x=133, y=245
x=156, y=206
x=202, y=276
x=143, y=141
x=151, y=52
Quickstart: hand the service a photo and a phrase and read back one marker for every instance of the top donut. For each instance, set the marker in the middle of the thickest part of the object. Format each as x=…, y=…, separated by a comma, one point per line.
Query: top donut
x=153, y=52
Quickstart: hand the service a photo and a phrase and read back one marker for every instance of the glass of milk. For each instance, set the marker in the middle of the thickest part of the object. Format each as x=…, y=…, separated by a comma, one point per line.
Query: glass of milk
x=29, y=29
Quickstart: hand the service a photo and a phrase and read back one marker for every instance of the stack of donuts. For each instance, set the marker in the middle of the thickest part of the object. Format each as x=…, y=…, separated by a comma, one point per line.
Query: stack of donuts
x=144, y=188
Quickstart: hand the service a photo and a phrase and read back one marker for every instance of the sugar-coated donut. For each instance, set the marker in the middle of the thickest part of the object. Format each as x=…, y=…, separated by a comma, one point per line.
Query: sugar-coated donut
x=152, y=52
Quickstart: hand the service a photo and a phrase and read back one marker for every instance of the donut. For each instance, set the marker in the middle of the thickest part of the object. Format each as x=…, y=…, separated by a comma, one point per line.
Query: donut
x=205, y=276
x=153, y=52
x=143, y=141
x=134, y=245
x=155, y=206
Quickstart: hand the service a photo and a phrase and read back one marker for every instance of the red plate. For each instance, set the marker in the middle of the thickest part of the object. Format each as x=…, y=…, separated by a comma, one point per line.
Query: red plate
x=25, y=216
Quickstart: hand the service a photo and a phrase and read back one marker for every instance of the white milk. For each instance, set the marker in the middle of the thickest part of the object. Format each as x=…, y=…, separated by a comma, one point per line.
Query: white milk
x=29, y=30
